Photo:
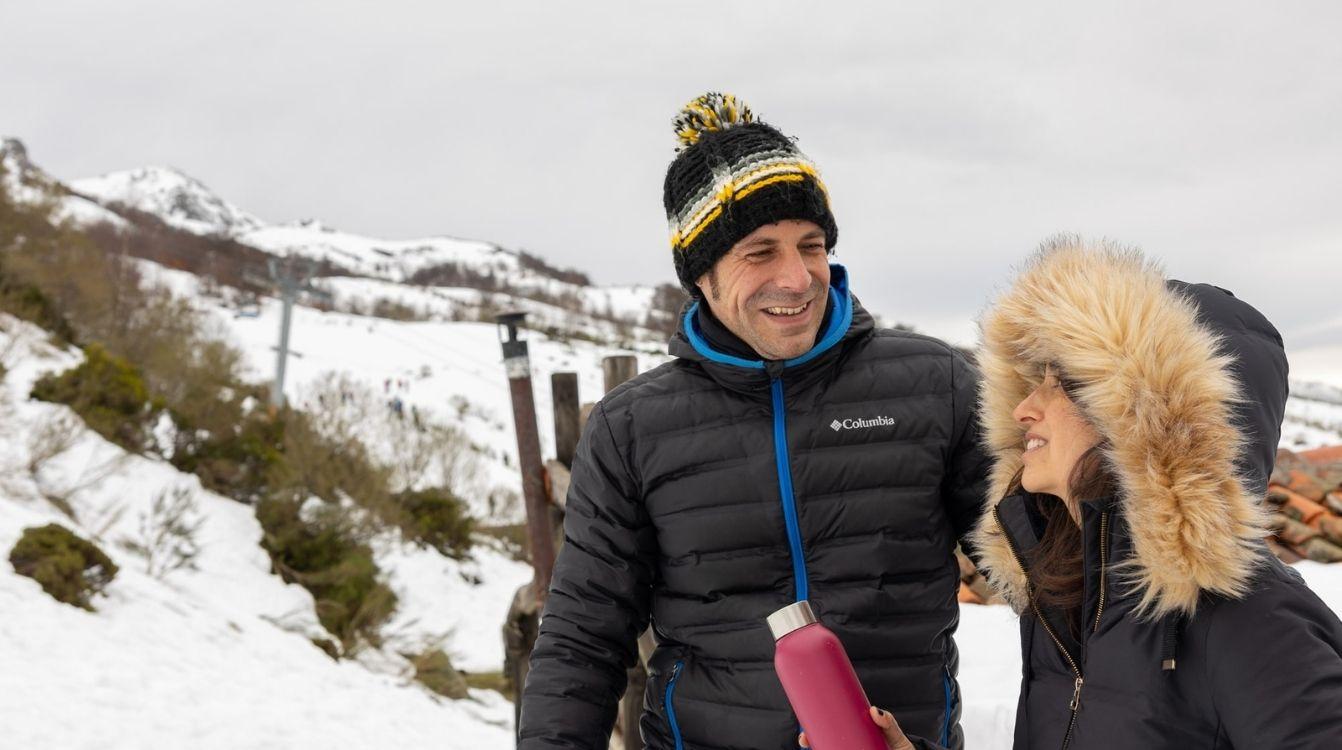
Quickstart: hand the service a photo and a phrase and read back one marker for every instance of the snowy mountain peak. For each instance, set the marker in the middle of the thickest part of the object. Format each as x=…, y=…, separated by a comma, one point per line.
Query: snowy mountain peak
x=170, y=194
x=13, y=152
x=19, y=170
x=28, y=183
x=315, y=225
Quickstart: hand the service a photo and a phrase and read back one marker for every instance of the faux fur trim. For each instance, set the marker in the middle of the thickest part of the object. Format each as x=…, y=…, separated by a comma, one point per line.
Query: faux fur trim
x=1148, y=377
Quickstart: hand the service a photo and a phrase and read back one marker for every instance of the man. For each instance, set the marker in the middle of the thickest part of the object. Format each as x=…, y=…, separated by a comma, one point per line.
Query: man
x=791, y=451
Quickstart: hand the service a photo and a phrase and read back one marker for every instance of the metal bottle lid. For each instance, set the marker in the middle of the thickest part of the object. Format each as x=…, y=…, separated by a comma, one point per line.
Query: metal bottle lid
x=792, y=617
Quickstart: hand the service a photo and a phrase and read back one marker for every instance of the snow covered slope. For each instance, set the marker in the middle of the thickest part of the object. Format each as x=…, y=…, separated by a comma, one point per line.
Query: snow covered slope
x=27, y=182
x=1313, y=416
x=187, y=204
x=167, y=193
x=218, y=656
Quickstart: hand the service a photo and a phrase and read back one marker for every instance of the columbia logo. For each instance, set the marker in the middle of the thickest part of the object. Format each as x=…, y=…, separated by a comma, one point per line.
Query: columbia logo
x=860, y=424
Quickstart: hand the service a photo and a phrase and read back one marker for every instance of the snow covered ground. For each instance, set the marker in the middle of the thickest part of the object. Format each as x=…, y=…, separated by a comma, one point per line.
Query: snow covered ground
x=449, y=372
x=1311, y=423
x=220, y=655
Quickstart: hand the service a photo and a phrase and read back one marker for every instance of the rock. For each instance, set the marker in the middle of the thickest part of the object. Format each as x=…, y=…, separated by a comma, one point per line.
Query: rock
x=1283, y=553
x=1333, y=501
x=1321, y=550
x=1281, y=473
x=1292, y=531
x=434, y=669
x=1307, y=485
x=1332, y=454
x=1331, y=527
x=1286, y=458
x=1300, y=508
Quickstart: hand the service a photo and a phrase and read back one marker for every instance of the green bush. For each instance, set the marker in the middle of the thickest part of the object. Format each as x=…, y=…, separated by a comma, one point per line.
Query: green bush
x=434, y=670
x=489, y=681
x=332, y=468
x=238, y=462
x=71, y=569
x=109, y=394
x=31, y=304
x=513, y=537
x=439, y=519
x=321, y=551
x=327, y=647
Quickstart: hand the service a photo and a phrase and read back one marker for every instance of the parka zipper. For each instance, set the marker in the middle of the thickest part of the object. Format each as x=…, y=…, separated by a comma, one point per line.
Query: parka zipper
x=1104, y=565
x=1075, y=704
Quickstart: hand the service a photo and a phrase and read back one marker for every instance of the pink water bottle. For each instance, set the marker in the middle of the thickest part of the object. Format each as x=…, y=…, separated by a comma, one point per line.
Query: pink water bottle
x=820, y=683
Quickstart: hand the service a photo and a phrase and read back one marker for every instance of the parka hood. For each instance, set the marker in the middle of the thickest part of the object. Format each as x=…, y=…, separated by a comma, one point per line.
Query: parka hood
x=1186, y=385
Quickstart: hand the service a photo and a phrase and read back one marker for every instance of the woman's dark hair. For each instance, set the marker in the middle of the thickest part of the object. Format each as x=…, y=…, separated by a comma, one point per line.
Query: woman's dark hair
x=1056, y=569
x=1057, y=577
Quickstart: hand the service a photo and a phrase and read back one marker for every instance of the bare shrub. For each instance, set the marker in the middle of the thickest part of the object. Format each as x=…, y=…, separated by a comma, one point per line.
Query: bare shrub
x=59, y=493
x=166, y=538
x=50, y=439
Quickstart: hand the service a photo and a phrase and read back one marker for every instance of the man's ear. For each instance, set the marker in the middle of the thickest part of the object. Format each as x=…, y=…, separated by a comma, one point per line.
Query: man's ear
x=708, y=283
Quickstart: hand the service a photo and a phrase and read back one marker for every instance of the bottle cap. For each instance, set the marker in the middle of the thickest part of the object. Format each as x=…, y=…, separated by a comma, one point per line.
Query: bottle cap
x=792, y=617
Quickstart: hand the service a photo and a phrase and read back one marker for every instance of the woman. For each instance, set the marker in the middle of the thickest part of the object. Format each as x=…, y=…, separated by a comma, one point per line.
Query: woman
x=1134, y=423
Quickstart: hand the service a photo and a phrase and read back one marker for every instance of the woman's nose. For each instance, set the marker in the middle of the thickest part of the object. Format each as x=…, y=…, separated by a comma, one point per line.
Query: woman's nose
x=1025, y=412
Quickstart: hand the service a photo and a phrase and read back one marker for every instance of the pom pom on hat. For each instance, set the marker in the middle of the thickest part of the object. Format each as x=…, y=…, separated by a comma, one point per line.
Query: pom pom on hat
x=710, y=112
x=732, y=175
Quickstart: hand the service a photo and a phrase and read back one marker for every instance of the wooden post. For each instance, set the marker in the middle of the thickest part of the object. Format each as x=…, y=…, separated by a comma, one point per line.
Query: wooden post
x=540, y=531
x=522, y=625
x=618, y=369
x=564, y=394
x=519, y=637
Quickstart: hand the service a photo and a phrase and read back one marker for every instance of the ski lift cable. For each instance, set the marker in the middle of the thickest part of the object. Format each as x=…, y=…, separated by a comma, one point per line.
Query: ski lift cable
x=493, y=382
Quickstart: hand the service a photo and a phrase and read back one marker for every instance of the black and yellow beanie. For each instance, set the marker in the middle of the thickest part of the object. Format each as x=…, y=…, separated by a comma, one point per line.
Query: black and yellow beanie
x=733, y=175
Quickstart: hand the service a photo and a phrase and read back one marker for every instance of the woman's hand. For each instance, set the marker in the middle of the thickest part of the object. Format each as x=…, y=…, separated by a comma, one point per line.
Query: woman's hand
x=894, y=736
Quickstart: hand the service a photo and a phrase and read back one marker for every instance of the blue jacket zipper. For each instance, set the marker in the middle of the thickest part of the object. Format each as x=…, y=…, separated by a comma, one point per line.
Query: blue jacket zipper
x=785, y=491
x=671, y=709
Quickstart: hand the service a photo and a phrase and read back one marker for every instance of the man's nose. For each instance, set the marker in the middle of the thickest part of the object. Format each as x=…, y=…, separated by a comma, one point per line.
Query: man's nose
x=792, y=274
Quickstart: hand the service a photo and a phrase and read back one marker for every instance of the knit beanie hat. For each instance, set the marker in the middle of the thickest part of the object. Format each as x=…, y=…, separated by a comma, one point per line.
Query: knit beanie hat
x=734, y=174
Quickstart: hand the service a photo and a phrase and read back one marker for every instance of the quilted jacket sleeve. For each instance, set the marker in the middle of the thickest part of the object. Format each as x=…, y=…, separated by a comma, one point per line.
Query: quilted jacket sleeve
x=1275, y=668
x=597, y=605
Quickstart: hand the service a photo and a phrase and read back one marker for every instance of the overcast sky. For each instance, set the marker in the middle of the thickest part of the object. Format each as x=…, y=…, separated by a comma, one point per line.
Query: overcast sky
x=953, y=136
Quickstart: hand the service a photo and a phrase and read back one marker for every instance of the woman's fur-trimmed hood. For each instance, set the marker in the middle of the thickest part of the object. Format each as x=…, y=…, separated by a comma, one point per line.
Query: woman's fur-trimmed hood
x=1182, y=381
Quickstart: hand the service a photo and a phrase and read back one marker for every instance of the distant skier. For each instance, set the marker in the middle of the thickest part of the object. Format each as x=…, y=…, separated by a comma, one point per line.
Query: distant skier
x=791, y=451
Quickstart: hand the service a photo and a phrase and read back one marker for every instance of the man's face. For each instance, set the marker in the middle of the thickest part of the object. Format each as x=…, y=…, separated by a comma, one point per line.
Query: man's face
x=770, y=289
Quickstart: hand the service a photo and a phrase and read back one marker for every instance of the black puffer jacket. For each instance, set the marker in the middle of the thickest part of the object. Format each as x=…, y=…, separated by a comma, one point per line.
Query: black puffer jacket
x=1192, y=635
x=713, y=490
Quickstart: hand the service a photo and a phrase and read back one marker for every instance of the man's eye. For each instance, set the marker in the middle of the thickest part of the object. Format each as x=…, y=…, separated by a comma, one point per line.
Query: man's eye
x=762, y=255
x=812, y=247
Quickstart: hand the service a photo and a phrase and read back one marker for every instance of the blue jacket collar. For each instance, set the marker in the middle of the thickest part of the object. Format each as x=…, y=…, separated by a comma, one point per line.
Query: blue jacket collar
x=841, y=317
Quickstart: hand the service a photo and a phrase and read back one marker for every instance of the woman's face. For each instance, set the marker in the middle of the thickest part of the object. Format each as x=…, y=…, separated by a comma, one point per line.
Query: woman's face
x=1056, y=438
